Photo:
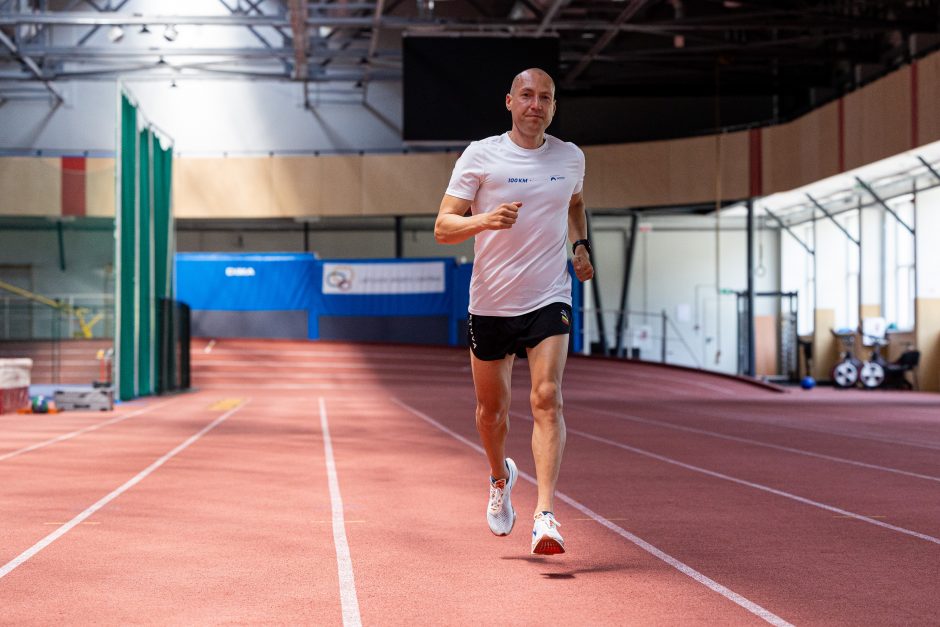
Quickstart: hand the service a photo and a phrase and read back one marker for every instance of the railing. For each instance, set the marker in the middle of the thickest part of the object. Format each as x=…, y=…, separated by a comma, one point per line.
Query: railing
x=25, y=319
x=646, y=336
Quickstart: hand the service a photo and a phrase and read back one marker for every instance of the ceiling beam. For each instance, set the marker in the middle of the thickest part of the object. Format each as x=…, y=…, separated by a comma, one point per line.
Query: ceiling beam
x=31, y=66
x=632, y=8
x=298, y=25
x=549, y=15
x=376, y=27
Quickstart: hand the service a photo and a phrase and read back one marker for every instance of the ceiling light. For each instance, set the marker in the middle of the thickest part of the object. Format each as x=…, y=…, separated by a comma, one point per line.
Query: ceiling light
x=144, y=30
x=116, y=33
x=169, y=33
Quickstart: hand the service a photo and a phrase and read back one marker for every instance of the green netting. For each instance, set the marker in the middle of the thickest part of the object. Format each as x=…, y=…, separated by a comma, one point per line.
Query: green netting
x=163, y=247
x=145, y=347
x=144, y=240
x=126, y=216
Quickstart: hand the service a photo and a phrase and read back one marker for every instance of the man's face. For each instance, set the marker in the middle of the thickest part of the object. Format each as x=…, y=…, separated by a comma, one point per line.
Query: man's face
x=532, y=103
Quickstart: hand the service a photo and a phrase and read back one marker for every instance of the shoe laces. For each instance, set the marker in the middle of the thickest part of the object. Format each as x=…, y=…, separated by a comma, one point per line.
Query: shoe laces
x=496, y=495
x=548, y=519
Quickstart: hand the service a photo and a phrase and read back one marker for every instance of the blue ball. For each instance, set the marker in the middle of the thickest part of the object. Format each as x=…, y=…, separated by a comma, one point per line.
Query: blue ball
x=808, y=383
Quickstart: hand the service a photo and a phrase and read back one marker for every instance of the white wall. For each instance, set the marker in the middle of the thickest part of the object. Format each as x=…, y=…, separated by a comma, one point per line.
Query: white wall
x=928, y=252
x=674, y=270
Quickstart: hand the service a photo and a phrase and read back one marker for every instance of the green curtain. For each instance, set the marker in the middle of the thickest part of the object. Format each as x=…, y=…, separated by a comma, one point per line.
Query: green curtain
x=144, y=242
x=145, y=298
x=126, y=255
x=163, y=249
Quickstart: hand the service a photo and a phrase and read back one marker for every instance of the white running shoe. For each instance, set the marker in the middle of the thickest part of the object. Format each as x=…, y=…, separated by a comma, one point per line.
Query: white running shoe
x=545, y=537
x=499, y=513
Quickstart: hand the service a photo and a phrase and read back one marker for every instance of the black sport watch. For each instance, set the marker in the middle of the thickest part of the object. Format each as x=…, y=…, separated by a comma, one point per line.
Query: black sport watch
x=581, y=242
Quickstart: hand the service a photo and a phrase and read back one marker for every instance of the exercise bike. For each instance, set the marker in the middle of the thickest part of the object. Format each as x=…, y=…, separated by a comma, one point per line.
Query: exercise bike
x=845, y=374
x=879, y=372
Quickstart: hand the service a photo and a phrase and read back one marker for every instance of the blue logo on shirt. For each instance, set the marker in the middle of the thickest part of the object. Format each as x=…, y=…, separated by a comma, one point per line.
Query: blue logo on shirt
x=558, y=178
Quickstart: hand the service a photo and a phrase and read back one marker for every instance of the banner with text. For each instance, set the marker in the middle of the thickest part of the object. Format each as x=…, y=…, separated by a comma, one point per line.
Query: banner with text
x=384, y=278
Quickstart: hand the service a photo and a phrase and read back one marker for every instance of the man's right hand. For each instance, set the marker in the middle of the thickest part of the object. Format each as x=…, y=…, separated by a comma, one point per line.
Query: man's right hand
x=502, y=217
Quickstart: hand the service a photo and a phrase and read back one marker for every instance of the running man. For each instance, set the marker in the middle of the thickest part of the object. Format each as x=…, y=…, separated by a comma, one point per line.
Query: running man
x=519, y=194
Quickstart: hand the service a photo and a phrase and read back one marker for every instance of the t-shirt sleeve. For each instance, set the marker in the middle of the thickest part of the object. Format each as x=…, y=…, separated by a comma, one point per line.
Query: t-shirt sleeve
x=580, y=185
x=468, y=174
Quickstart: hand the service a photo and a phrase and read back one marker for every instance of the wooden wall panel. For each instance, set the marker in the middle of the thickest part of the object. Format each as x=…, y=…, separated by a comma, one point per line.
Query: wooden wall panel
x=928, y=99
x=30, y=186
x=100, y=185
x=341, y=191
x=927, y=330
x=693, y=165
x=625, y=175
x=405, y=184
x=825, y=346
x=801, y=151
x=666, y=172
x=765, y=345
x=232, y=187
x=296, y=183
x=878, y=120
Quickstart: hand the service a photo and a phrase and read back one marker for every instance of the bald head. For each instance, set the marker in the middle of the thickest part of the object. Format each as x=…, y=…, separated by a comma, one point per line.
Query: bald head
x=529, y=76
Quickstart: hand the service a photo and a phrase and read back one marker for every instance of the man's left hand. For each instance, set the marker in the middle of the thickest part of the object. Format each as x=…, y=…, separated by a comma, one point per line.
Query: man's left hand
x=583, y=268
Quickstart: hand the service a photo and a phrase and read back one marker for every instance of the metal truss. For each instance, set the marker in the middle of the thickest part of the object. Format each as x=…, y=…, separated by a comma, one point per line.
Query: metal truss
x=653, y=47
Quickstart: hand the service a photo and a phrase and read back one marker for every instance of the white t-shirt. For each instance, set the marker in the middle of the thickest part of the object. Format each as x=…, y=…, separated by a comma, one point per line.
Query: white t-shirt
x=523, y=268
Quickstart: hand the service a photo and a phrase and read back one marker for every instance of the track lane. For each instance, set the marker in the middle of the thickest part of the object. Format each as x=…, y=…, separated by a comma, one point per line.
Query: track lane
x=597, y=558
x=234, y=529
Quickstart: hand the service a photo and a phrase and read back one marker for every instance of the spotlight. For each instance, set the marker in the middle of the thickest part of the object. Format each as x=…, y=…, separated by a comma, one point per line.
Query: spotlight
x=169, y=33
x=116, y=33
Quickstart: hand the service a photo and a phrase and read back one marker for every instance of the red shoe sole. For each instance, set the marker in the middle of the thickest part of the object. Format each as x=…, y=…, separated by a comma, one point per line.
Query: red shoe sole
x=548, y=546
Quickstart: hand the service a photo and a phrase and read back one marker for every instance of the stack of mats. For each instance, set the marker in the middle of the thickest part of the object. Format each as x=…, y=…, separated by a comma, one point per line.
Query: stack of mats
x=14, y=384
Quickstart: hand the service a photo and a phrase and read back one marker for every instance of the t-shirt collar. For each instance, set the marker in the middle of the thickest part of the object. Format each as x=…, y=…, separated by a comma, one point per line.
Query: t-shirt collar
x=525, y=151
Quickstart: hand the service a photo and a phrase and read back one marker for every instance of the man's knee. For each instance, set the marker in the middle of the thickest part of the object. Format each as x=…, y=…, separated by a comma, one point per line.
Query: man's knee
x=491, y=415
x=546, y=397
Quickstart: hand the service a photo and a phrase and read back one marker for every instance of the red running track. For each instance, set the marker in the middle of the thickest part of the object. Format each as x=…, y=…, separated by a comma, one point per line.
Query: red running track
x=327, y=484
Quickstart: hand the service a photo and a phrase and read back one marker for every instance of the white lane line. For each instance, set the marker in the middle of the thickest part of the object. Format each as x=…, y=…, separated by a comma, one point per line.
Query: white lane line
x=750, y=484
x=713, y=585
x=74, y=434
x=734, y=438
x=774, y=421
x=347, y=582
x=61, y=531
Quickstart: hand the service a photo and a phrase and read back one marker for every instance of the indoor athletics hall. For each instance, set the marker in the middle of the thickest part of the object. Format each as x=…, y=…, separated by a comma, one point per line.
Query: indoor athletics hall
x=279, y=329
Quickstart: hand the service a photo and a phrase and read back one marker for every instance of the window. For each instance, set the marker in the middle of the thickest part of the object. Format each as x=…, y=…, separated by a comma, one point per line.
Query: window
x=851, y=251
x=899, y=265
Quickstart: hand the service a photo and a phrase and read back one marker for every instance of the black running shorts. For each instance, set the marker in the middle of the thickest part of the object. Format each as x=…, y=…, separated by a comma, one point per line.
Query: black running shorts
x=494, y=337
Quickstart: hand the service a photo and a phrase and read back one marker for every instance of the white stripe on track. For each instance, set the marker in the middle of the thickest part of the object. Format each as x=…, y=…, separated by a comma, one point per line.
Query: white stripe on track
x=750, y=484
x=709, y=583
x=75, y=434
x=734, y=438
x=347, y=582
x=785, y=424
x=61, y=531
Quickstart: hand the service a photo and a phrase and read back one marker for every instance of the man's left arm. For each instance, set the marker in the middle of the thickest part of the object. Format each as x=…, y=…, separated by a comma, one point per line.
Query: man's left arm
x=577, y=231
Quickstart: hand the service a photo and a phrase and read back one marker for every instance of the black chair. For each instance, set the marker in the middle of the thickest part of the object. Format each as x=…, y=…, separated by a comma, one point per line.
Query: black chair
x=895, y=372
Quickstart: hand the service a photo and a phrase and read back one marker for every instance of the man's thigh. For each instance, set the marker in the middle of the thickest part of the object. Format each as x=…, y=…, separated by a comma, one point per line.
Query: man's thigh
x=547, y=360
x=492, y=380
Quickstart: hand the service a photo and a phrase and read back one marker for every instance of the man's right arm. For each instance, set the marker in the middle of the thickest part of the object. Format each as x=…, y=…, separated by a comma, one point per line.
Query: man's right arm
x=454, y=225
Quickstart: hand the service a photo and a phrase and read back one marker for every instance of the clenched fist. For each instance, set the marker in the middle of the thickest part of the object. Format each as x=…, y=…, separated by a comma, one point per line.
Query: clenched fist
x=503, y=217
x=583, y=268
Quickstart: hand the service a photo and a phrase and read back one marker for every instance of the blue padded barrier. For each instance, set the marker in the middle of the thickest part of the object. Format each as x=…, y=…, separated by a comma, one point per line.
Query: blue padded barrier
x=407, y=300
